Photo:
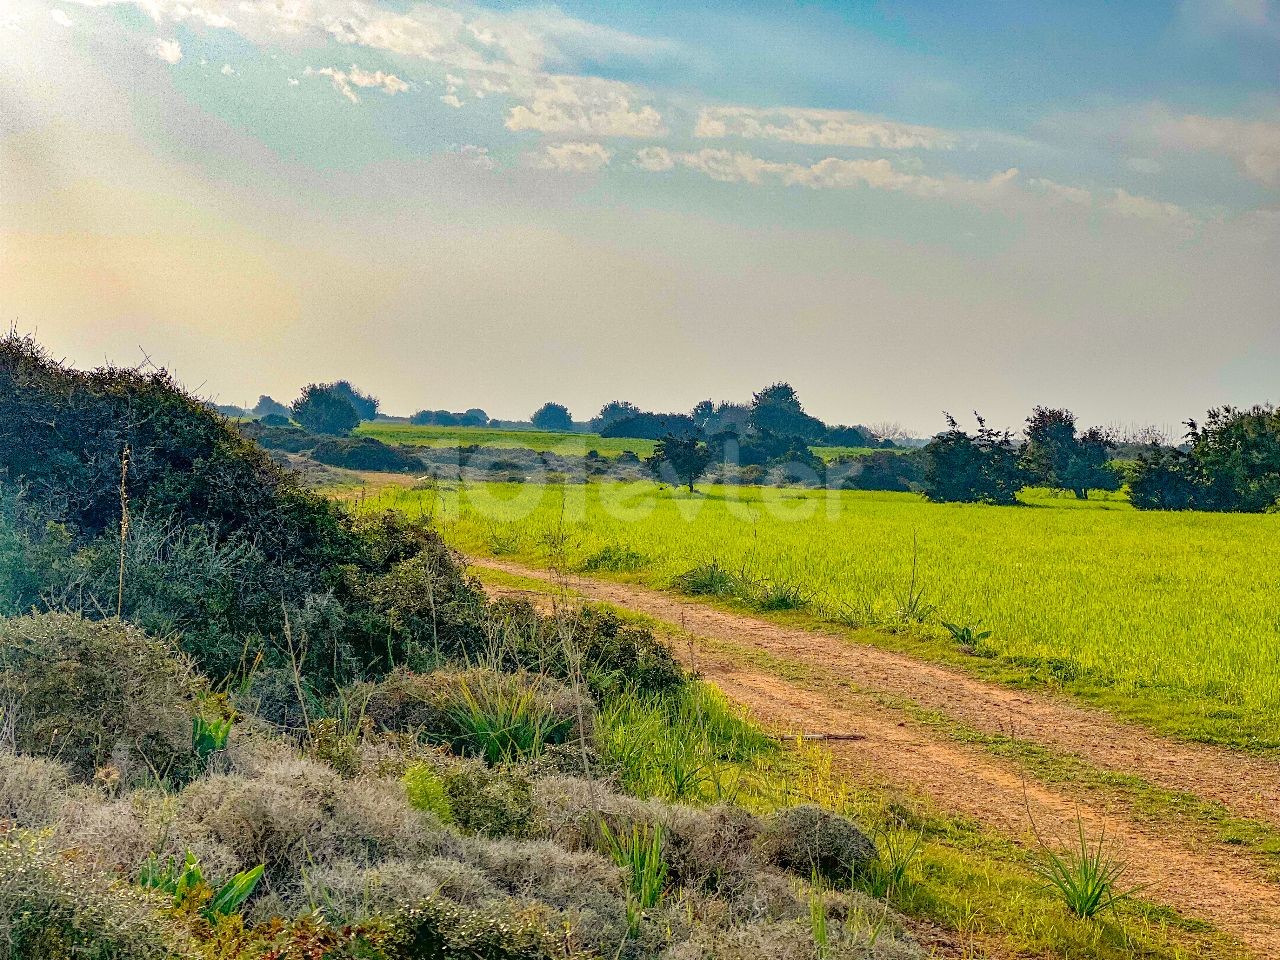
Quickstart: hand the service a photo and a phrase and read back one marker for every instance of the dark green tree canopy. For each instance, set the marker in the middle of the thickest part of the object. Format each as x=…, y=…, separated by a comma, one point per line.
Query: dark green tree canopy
x=680, y=459
x=1056, y=456
x=982, y=468
x=322, y=409
x=552, y=416
x=366, y=405
x=777, y=409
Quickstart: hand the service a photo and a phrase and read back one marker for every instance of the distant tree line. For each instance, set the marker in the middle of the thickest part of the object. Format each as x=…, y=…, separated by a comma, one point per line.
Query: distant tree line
x=1231, y=462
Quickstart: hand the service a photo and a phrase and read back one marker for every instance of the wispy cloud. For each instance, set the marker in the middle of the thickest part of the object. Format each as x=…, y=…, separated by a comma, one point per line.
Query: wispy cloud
x=585, y=106
x=1253, y=145
x=345, y=81
x=819, y=127
x=572, y=157
x=60, y=17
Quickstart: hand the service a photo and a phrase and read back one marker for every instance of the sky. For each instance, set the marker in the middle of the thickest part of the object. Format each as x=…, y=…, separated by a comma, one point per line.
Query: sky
x=899, y=208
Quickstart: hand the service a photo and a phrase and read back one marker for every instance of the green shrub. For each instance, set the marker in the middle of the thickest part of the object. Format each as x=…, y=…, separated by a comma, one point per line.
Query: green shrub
x=365, y=453
x=445, y=931
x=807, y=839
x=52, y=908
x=426, y=791
x=97, y=693
x=491, y=802
x=500, y=717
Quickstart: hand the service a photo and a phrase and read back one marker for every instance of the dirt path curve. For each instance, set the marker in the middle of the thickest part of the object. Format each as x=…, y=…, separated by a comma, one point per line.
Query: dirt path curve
x=1248, y=786
x=1210, y=881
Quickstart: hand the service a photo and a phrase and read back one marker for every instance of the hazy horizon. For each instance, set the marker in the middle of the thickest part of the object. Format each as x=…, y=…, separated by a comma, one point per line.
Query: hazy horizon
x=900, y=210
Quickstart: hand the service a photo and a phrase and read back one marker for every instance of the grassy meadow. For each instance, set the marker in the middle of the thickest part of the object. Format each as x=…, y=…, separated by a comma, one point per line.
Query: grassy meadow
x=1171, y=618
x=540, y=441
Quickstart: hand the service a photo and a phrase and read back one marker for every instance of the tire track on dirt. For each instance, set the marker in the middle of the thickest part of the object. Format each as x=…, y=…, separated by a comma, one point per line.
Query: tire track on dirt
x=1209, y=881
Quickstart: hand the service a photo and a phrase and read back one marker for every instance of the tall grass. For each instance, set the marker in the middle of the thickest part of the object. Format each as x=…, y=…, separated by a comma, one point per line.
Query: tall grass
x=689, y=746
x=505, y=722
x=1158, y=607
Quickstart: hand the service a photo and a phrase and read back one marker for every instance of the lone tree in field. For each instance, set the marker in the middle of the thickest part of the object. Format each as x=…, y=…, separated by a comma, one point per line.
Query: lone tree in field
x=1057, y=457
x=552, y=416
x=982, y=468
x=680, y=459
x=322, y=409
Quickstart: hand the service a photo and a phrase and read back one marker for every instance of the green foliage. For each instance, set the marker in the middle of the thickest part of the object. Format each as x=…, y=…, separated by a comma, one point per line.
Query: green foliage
x=364, y=404
x=488, y=801
x=324, y=409
x=1055, y=456
x=209, y=734
x=1084, y=876
x=617, y=559
x=879, y=470
x=552, y=416
x=683, y=746
x=982, y=468
x=97, y=693
x=427, y=791
x=967, y=637
x=503, y=720
x=185, y=883
x=680, y=460
x=639, y=853
x=776, y=409
x=365, y=453
x=53, y=907
x=1164, y=479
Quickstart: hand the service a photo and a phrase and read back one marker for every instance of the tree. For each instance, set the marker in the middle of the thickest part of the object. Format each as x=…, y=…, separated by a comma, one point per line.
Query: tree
x=1237, y=453
x=321, y=409
x=552, y=416
x=681, y=458
x=366, y=405
x=475, y=417
x=267, y=406
x=1056, y=457
x=612, y=412
x=777, y=409
x=1165, y=479
x=983, y=468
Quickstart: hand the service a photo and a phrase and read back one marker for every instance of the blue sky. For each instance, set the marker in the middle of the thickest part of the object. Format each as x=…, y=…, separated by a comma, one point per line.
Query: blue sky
x=900, y=207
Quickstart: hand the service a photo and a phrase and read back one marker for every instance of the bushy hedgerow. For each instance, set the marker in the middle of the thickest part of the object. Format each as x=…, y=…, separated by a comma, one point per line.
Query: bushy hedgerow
x=609, y=652
x=365, y=453
x=224, y=546
x=882, y=470
x=96, y=695
x=807, y=840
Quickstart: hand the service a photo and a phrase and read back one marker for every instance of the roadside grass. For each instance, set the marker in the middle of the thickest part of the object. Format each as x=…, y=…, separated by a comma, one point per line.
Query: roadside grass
x=945, y=870
x=1141, y=800
x=938, y=869
x=1167, y=619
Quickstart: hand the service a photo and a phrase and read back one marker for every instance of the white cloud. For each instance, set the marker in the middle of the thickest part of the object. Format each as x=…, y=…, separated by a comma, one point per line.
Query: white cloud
x=572, y=157
x=451, y=100
x=170, y=51
x=60, y=17
x=294, y=81
x=227, y=70
x=345, y=81
x=728, y=166
x=586, y=106
x=818, y=127
x=1254, y=145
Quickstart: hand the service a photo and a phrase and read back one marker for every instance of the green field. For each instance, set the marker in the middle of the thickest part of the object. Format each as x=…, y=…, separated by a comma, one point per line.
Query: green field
x=1173, y=618
x=539, y=440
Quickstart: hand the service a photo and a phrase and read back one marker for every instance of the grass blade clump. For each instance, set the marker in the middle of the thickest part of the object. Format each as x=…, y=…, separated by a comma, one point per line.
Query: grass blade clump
x=1085, y=876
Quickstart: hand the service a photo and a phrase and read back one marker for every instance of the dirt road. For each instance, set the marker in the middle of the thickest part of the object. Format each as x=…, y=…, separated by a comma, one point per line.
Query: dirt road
x=857, y=688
